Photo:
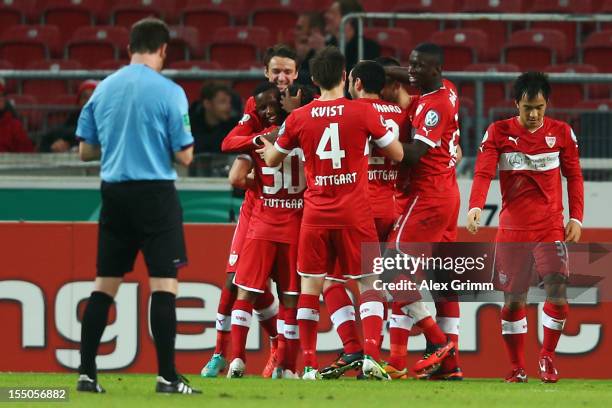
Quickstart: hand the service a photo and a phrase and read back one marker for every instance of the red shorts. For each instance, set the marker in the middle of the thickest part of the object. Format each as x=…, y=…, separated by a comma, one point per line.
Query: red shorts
x=246, y=209
x=518, y=253
x=383, y=227
x=337, y=251
x=426, y=219
x=262, y=260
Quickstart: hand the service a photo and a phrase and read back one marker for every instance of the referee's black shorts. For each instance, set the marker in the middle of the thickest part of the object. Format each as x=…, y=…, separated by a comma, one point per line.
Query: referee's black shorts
x=140, y=215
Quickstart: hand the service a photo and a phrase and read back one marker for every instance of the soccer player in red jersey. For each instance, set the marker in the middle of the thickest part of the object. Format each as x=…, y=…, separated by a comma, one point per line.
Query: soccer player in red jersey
x=432, y=199
x=333, y=132
x=281, y=69
x=531, y=152
x=271, y=246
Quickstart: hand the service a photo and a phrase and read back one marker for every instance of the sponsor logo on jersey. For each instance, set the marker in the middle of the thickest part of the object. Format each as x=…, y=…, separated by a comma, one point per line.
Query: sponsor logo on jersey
x=514, y=139
x=550, y=141
x=186, y=123
x=516, y=160
x=245, y=119
x=432, y=118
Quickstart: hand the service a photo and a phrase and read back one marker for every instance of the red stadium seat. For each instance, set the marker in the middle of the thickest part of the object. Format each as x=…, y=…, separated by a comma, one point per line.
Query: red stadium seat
x=25, y=8
x=535, y=49
x=9, y=85
x=421, y=30
x=462, y=47
x=497, y=31
x=64, y=100
x=90, y=45
x=183, y=44
x=69, y=15
x=278, y=18
x=23, y=44
x=570, y=29
x=394, y=42
x=597, y=49
x=603, y=105
x=493, y=91
x=44, y=90
x=10, y=17
x=566, y=95
x=378, y=5
x=233, y=46
x=193, y=87
x=237, y=9
x=110, y=64
x=127, y=12
x=212, y=18
x=604, y=8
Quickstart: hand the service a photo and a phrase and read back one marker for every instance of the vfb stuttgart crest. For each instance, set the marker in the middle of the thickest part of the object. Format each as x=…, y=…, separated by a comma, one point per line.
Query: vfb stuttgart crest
x=550, y=141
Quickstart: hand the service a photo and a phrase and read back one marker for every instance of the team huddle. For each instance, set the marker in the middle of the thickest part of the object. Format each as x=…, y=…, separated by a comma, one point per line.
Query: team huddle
x=324, y=175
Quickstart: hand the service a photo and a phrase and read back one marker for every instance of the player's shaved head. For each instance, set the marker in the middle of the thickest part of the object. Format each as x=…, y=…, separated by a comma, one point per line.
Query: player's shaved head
x=530, y=84
x=371, y=74
x=432, y=52
x=327, y=68
x=425, y=67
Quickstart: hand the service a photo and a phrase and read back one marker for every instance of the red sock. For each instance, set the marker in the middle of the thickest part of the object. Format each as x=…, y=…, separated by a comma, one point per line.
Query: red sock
x=342, y=314
x=447, y=317
x=371, y=313
x=266, y=310
x=224, y=320
x=241, y=322
x=432, y=331
x=308, y=321
x=514, y=331
x=399, y=331
x=292, y=339
x=553, y=320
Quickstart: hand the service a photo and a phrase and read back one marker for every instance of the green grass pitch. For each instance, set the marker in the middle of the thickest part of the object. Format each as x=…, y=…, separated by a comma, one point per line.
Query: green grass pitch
x=137, y=390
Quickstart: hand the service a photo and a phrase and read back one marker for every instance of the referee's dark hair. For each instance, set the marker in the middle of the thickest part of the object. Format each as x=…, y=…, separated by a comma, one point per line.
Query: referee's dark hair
x=148, y=35
x=372, y=76
x=433, y=50
x=327, y=67
x=530, y=84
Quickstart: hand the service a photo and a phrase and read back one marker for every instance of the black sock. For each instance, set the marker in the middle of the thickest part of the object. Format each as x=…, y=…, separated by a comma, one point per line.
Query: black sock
x=92, y=327
x=163, y=326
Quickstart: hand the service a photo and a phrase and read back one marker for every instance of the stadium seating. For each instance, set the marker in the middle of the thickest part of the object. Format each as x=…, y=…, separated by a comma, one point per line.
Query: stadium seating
x=237, y=9
x=597, y=49
x=494, y=92
x=419, y=29
x=279, y=18
x=69, y=15
x=90, y=45
x=193, y=87
x=570, y=29
x=25, y=8
x=110, y=64
x=394, y=42
x=46, y=90
x=23, y=44
x=604, y=8
x=462, y=47
x=234, y=46
x=372, y=6
x=127, y=12
x=208, y=19
x=497, y=31
x=25, y=105
x=603, y=105
x=566, y=95
x=183, y=44
x=535, y=49
x=10, y=17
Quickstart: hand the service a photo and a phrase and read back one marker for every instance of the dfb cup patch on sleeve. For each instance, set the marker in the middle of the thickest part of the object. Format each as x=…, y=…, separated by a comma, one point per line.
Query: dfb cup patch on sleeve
x=432, y=118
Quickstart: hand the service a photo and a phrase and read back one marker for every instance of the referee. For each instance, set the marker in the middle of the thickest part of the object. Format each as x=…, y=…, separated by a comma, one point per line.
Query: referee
x=136, y=123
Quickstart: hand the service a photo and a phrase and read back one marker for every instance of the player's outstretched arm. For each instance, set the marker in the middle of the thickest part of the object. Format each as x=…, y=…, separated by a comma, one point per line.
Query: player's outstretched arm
x=413, y=152
x=272, y=156
x=393, y=151
x=398, y=73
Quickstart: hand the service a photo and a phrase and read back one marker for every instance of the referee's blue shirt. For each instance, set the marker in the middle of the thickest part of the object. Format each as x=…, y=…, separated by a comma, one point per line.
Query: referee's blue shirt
x=140, y=119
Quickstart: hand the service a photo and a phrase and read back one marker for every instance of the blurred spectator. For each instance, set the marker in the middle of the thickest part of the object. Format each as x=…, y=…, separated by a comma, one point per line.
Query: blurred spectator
x=333, y=17
x=63, y=138
x=309, y=38
x=13, y=137
x=212, y=118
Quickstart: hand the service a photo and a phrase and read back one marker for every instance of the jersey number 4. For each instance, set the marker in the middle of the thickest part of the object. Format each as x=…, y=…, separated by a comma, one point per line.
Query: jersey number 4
x=331, y=137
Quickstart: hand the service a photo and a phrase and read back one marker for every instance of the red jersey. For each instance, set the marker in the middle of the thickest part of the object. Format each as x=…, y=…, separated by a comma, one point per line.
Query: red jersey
x=530, y=166
x=278, y=212
x=383, y=172
x=436, y=123
x=333, y=136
